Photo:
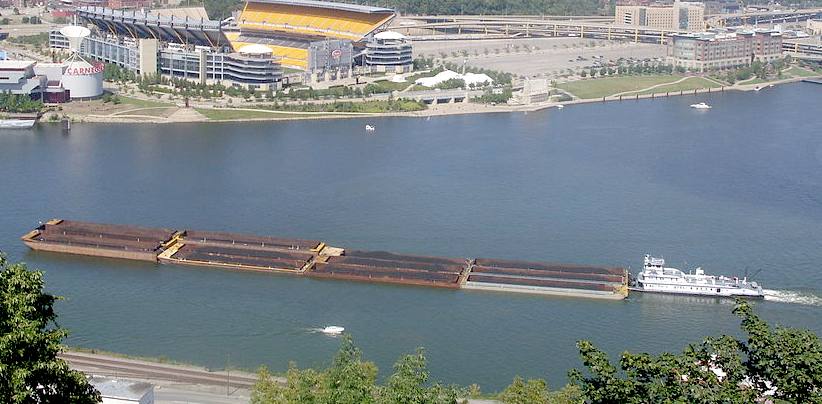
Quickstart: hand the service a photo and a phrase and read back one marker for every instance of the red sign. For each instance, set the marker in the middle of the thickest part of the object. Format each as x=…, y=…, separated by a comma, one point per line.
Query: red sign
x=85, y=71
x=336, y=53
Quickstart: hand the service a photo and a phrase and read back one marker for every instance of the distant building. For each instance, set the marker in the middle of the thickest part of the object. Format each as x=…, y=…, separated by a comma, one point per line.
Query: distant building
x=723, y=50
x=115, y=391
x=535, y=91
x=18, y=77
x=389, y=51
x=252, y=66
x=814, y=27
x=51, y=82
x=682, y=16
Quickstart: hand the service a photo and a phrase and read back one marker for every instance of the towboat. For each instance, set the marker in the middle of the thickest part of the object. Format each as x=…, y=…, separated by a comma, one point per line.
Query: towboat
x=656, y=277
x=701, y=105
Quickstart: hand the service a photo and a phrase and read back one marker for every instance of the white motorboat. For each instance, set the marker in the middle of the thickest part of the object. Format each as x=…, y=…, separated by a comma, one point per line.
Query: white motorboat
x=333, y=330
x=656, y=277
x=701, y=105
x=560, y=106
x=17, y=123
x=370, y=128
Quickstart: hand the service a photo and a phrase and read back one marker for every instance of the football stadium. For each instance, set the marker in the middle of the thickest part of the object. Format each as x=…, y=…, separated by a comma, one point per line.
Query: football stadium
x=266, y=44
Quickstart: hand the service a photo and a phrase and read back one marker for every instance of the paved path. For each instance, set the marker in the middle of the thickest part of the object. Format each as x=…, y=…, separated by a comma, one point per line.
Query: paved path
x=650, y=88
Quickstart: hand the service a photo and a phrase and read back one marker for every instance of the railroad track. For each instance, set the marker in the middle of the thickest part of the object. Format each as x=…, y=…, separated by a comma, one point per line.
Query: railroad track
x=89, y=363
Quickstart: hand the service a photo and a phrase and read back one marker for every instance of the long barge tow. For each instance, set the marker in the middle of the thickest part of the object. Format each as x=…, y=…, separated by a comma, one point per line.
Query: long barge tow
x=316, y=259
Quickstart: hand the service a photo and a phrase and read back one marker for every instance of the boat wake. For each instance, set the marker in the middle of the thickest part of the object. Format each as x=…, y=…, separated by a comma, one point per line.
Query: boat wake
x=789, y=296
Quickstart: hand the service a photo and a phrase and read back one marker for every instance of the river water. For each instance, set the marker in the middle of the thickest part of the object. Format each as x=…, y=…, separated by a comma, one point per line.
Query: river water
x=735, y=187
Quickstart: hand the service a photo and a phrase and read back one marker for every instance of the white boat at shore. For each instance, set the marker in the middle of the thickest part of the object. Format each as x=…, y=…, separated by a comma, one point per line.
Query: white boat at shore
x=17, y=123
x=656, y=277
x=701, y=105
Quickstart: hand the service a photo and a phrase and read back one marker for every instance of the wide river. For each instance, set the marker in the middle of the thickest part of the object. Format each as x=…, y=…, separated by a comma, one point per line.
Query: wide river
x=738, y=186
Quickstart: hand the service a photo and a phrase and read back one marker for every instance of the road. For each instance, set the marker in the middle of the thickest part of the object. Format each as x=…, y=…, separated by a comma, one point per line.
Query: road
x=26, y=29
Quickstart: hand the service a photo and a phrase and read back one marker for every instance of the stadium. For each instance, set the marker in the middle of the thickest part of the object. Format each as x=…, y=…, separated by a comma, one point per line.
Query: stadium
x=266, y=44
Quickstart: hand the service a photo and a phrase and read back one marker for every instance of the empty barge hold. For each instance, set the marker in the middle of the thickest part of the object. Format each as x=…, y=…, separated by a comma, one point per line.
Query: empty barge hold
x=551, y=279
x=241, y=251
x=101, y=240
x=392, y=268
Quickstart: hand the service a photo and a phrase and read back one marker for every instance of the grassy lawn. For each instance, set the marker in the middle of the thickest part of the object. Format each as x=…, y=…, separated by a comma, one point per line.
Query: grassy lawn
x=230, y=113
x=799, y=72
x=143, y=103
x=692, y=83
x=392, y=85
x=598, y=88
x=289, y=70
x=756, y=80
x=418, y=87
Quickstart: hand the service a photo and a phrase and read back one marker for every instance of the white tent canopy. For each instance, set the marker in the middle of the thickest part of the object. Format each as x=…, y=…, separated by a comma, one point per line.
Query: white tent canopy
x=443, y=76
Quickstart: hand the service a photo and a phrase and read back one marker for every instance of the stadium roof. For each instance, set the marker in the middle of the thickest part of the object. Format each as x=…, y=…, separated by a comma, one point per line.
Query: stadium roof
x=139, y=24
x=329, y=5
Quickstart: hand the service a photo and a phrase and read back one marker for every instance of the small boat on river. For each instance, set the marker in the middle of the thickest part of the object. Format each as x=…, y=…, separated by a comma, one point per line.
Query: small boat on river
x=333, y=330
x=701, y=105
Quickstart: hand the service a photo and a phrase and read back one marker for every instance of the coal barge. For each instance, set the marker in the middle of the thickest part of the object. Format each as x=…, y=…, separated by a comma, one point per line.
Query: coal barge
x=316, y=259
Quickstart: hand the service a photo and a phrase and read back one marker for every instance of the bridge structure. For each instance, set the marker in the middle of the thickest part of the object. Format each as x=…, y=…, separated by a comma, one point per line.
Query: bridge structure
x=762, y=17
x=488, y=27
x=524, y=26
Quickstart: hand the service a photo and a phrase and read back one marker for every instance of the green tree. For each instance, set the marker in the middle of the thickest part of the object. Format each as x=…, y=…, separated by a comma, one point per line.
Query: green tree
x=721, y=369
x=301, y=387
x=349, y=380
x=30, y=371
x=533, y=391
x=408, y=384
x=785, y=358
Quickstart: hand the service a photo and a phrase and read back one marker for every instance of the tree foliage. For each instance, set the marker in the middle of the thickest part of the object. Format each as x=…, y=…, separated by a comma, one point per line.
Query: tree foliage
x=350, y=380
x=525, y=392
x=787, y=359
x=721, y=369
x=30, y=371
x=408, y=384
x=15, y=103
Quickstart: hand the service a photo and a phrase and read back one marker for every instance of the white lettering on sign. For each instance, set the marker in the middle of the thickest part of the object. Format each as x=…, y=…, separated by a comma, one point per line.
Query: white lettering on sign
x=85, y=71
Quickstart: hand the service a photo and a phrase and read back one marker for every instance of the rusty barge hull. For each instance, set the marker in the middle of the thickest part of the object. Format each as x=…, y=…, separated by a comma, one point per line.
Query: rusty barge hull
x=99, y=240
x=313, y=258
x=91, y=251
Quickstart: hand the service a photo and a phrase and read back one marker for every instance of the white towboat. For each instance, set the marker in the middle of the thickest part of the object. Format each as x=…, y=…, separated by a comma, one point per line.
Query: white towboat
x=333, y=330
x=701, y=105
x=656, y=277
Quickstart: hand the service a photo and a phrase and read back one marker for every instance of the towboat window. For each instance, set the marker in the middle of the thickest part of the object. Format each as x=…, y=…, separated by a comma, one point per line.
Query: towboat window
x=718, y=290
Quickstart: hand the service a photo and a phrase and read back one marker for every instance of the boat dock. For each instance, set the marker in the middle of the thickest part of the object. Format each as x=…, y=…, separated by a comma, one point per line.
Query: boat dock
x=316, y=259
